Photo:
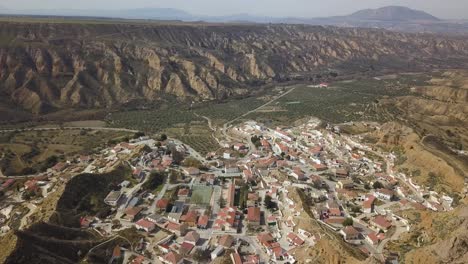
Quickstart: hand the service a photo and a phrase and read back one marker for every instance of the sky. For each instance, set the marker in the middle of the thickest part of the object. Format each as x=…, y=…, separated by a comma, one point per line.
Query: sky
x=449, y=9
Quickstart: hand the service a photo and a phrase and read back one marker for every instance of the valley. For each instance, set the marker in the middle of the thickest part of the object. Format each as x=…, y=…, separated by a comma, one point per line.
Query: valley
x=133, y=141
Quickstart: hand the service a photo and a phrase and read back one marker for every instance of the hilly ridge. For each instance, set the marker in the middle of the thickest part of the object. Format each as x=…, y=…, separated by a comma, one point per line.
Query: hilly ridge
x=51, y=66
x=393, y=13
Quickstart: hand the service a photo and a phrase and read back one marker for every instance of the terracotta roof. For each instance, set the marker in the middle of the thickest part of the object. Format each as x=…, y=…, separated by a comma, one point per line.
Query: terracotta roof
x=133, y=211
x=253, y=214
x=295, y=239
x=183, y=192
x=203, y=220
x=226, y=241
x=382, y=222
x=185, y=248
x=265, y=238
x=350, y=231
x=386, y=192
x=162, y=203
x=369, y=201
x=236, y=258
x=251, y=259
x=190, y=217
x=116, y=253
x=172, y=257
x=192, y=236
x=145, y=223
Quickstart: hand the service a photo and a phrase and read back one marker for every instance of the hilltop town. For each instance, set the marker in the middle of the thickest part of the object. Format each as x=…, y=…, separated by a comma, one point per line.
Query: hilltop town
x=249, y=202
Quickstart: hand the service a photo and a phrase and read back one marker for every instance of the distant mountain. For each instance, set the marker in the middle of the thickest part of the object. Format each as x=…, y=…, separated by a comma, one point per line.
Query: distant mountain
x=392, y=13
x=154, y=13
x=395, y=18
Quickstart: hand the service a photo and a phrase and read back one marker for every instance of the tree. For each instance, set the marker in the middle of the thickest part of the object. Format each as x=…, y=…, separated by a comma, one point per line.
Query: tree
x=163, y=137
x=377, y=185
x=222, y=202
x=269, y=203
x=173, y=177
x=348, y=221
x=201, y=255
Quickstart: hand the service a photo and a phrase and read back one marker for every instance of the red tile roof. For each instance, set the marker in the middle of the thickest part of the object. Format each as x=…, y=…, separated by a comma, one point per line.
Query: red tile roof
x=203, y=220
x=162, y=203
x=146, y=224
x=172, y=257
x=253, y=214
x=382, y=222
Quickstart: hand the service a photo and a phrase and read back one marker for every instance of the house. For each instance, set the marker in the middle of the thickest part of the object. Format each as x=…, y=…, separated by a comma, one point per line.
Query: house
x=190, y=218
x=192, y=237
x=295, y=239
x=116, y=253
x=384, y=194
x=374, y=238
x=231, y=193
x=283, y=135
x=203, y=222
x=350, y=233
x=281, y=148
x=320, y=167
x=236, y=258
x=217, y=252
x=154, y=218
x=171, y=258
x=345, y=184
x=31, y=185
x=231, y=168
x=185, y=248
x=239, y=146
x=84, y=159
x=265, y=239
x=227, y=219
x=176, y=228
x=124, y=184
x=253, y=215
x=226, y=241
x=368, y=204
x=342, y=173
x=381, y=222
x=113, y=198
x=132, y=212
x=247, y=174
x=191, y=171
x=227, y=155
x=59, y=167
x=162, y=204
x=183, y=193
x=146, y=225
x=298, y=174
x=209, y=178
x=271, y=220
x=138, y=260
x=277, y=251
x=251, y=259
x=86, y=221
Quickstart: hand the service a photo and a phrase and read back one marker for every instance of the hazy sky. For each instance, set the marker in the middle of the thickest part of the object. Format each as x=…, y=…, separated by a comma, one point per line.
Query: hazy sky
x=303, y=8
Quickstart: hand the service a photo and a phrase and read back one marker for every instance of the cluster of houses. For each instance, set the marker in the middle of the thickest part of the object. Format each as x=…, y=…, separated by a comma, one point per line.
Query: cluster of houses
x=237, y=203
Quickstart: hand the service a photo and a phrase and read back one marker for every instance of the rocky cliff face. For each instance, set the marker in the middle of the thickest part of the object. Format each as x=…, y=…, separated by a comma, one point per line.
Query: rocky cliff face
x=52, y=66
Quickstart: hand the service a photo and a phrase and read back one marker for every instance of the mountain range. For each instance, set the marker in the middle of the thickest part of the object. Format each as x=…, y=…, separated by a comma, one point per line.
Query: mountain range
x=397, y=18
x=50, y=66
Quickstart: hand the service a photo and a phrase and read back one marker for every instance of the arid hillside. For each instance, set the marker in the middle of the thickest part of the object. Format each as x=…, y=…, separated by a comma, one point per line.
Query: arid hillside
x=50, y=66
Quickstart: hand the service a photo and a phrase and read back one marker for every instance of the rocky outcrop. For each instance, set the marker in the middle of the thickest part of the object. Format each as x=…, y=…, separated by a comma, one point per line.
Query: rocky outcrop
x=52, y=66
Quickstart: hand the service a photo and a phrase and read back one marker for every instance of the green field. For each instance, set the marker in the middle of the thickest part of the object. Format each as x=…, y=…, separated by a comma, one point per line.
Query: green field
x=345, y=101
x=201, y=195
